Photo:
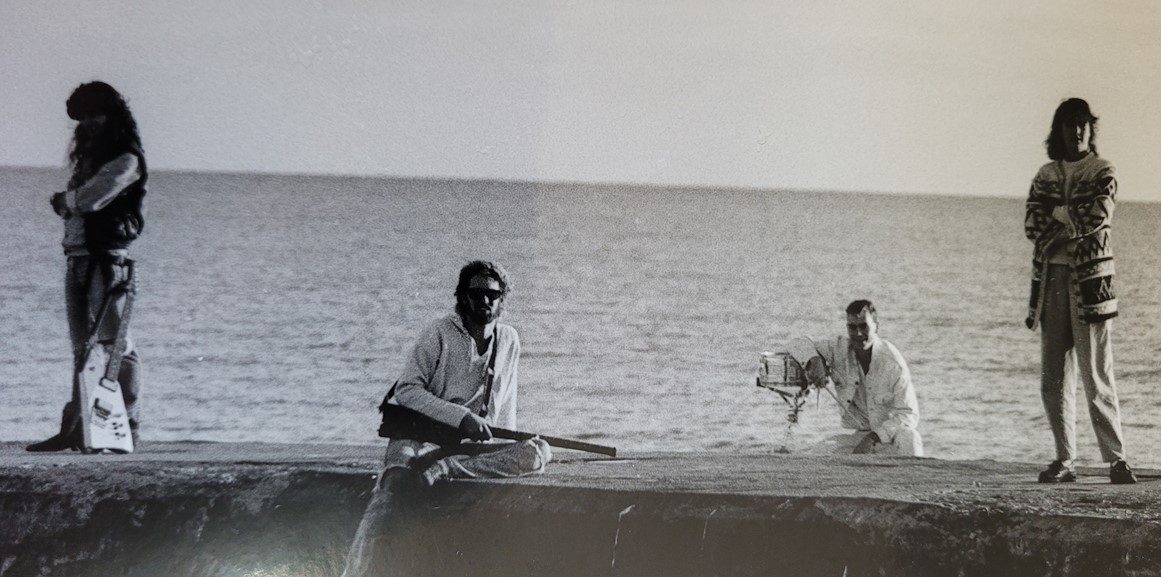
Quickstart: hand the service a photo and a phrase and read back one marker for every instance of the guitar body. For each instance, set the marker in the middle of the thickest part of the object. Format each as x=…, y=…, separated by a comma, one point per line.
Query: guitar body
x=104, y=419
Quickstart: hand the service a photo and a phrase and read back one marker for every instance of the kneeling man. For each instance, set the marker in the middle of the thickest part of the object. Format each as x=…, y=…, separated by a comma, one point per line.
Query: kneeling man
x=873, y=387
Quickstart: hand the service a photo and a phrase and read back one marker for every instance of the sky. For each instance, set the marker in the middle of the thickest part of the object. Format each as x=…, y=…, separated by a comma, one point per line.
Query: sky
x=903, y=96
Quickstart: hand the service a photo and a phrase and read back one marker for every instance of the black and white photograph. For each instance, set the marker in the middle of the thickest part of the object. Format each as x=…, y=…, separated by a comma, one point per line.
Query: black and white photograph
x=365, y=288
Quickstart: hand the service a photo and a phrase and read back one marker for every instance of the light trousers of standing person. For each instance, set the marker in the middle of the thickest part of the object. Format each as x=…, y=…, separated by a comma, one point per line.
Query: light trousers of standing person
x=1070, y=348
x=87, y=282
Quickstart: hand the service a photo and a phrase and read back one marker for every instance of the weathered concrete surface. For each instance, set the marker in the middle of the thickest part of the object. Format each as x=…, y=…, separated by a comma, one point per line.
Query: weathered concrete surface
x=767, y=515
x=271, y=510
x=182, y=509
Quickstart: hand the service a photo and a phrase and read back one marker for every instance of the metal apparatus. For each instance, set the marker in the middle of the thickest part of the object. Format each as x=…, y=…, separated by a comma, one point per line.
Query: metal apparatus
x=781, y=373
x=779, y=370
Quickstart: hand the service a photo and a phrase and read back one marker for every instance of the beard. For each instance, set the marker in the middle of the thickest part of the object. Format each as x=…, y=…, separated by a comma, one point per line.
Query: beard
x=483, y=315
x=479, y=315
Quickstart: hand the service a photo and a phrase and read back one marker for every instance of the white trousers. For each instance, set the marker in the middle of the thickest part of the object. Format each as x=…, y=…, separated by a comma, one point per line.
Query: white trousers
x=907, y=443
x=1070, y=348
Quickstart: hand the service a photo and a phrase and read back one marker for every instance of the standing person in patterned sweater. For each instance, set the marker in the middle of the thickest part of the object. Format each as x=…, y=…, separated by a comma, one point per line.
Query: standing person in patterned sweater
x=1069, y=220
x=102, y=215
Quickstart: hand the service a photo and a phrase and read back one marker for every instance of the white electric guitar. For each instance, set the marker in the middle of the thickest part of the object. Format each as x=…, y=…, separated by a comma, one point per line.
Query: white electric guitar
x=104, y=419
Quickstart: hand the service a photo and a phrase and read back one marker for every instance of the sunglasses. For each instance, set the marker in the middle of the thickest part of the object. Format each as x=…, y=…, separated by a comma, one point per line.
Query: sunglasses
x=479, y=294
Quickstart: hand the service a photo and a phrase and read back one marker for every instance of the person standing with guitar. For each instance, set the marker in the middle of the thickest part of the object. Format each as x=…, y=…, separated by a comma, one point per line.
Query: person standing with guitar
x=102, y=211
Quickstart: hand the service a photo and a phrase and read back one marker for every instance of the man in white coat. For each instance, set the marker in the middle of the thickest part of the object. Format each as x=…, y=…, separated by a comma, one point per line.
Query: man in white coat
x=873, y=387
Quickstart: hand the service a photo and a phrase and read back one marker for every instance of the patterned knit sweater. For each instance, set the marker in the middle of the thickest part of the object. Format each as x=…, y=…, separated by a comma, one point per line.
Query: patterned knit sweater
x=1087, y=188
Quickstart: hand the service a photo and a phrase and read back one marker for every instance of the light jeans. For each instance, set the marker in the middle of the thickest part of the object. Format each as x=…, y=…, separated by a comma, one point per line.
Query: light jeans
x=1070, y=347
x=85, y=288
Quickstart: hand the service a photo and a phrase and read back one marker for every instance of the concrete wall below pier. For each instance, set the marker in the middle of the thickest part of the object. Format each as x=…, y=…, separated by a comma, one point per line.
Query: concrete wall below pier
x=202, y=509
x=521, y=530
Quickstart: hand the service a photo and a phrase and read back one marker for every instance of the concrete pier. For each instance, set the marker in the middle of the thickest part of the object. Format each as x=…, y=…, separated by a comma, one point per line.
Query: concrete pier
x=255, y=510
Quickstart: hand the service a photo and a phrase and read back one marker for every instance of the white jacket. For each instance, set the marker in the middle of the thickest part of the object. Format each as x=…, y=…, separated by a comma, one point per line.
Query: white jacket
x=887, y=402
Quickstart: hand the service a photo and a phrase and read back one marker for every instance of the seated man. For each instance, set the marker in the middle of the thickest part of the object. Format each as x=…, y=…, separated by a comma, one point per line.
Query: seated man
x=873, y=387
x=462, y=373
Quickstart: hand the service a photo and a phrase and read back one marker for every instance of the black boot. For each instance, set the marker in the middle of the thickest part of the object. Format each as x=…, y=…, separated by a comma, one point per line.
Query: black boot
x=69, y=436
x=57, y=442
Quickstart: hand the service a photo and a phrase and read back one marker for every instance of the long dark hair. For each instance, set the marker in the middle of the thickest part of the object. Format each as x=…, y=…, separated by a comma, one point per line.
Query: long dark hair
x=118, y=135
x=1073, y=111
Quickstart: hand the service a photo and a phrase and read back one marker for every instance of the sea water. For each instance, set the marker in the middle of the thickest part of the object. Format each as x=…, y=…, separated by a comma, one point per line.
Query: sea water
x=280, y=308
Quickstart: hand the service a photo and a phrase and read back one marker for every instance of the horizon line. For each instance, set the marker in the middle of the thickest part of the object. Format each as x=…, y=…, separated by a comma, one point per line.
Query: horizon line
x=551, y=182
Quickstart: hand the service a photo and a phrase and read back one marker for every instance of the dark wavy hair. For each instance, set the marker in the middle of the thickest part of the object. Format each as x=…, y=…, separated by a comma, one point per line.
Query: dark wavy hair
x=470, y=271
x=118, y=135
x=860, y=305
x=1074, y=111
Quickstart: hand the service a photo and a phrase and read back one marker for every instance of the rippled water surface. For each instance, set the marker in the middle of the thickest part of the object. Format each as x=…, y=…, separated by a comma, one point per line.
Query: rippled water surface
x=279, y=308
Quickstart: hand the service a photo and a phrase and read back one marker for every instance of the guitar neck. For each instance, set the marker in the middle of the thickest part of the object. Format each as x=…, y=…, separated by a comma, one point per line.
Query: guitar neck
x=555, y=441
x=113, y=369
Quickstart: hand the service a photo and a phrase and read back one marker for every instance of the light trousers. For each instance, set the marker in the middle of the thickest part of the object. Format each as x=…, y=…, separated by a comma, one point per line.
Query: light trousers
x=907, y=443
x=482, y=460
x=86, y=285
x=1071, y=348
